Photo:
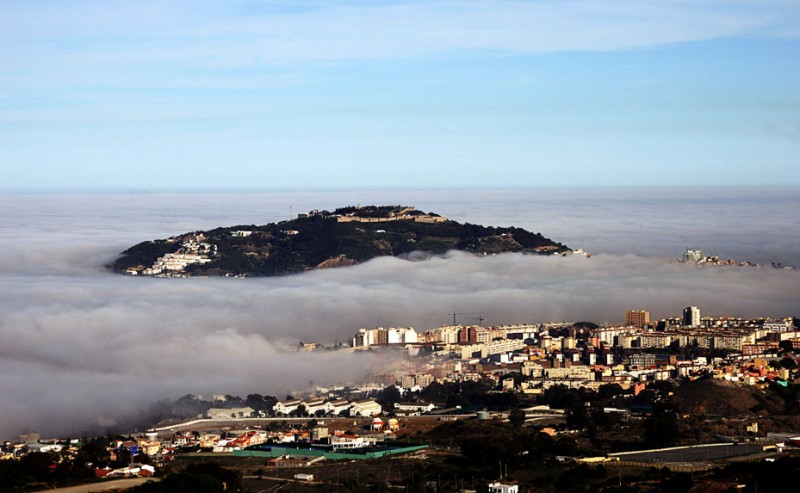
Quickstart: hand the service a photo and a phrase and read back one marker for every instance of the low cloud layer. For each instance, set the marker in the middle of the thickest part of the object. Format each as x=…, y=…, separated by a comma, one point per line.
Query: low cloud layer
x=78, y=342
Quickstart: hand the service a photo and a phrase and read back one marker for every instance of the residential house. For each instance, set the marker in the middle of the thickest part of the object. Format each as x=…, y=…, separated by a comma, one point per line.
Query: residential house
x=148, y=447
x=247, y=439
x=414, y=407
x=230, y=413
x=286, y=407
x=347, y=441
x=316, y=406
x=366, y=407
x=336, y=407
x=209, y=440
x=504, y=487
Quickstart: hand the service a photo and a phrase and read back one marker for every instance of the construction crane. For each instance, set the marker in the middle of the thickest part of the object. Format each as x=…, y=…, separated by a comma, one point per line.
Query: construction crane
x=480, y=316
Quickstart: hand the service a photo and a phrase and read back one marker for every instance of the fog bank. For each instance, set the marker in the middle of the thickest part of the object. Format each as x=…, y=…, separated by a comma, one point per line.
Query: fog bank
x=79, y=342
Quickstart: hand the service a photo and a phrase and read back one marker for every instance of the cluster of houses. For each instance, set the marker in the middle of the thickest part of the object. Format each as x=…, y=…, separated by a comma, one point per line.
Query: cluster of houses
x=373, y=431
x=299, y=408
x=120, y=452
x=327, y=407
x=193, y=250
x=518, y=358
x=133, y=470
x=746, y=337
x=32, y=442
x=587, y=357
x=125, y=453
x=364, y=412
x=698, y=257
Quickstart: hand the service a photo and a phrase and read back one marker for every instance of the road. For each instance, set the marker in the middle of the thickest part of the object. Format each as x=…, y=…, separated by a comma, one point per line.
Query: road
x=113, y=484
x=332, y=422
x=693, y=454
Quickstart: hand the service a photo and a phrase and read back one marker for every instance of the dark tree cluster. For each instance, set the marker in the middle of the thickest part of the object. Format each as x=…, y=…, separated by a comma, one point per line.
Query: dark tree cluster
x=52, y=470
x=207, y=477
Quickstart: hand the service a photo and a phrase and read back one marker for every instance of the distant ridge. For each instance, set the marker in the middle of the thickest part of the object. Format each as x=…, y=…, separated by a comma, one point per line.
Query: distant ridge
x=322, y=239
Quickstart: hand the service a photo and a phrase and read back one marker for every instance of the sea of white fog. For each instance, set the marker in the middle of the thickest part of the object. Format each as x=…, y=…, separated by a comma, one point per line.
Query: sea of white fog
x=79, y=342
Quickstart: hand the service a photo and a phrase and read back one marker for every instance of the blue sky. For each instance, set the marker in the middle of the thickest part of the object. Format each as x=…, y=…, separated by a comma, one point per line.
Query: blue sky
x=316, y=95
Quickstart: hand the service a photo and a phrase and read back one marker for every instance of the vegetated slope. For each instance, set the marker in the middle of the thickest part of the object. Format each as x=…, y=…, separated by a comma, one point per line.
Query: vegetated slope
x=721, y=397
x=323, y=239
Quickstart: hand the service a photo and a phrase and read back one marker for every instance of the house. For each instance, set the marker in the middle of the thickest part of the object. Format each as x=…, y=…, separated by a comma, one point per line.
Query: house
x=132, y=447
x=148, y=447
x=184, y=439
x=220, y=445
x=231, y=413
x=366, y=407
x=208, y=440
x=347, y=441
x=247, y=439
x=316, y=406
x=504, y=487
x=414, y=407
x=336, y=407
x=43, y=447
x=286, y=407
x=133, y=470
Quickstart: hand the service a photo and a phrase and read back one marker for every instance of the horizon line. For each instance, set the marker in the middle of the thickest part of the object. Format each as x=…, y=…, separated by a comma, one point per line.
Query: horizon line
x=288, y=189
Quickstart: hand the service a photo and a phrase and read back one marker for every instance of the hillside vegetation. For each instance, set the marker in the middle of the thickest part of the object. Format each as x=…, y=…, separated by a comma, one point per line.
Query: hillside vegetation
x=324, y=239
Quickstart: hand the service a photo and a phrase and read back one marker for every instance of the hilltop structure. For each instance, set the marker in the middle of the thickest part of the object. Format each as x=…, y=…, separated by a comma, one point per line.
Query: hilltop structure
x=322, y=239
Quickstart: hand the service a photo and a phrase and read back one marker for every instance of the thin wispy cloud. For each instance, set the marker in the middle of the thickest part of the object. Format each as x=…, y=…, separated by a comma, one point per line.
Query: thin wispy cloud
x=220, y=35
x=668, y=21
x=533, y=88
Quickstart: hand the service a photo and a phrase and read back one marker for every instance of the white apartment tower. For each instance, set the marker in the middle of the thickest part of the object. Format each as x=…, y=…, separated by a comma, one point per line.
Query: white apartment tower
x=691, y=316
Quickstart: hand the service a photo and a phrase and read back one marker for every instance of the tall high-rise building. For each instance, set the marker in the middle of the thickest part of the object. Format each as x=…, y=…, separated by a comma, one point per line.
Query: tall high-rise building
x=691, y=316
x=637, y=318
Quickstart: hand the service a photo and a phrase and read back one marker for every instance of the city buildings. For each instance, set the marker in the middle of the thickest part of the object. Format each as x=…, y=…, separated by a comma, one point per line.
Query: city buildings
x=691, y=316
x=637, y=318
x=693, y=255
x=524, y=359
x=381, y=336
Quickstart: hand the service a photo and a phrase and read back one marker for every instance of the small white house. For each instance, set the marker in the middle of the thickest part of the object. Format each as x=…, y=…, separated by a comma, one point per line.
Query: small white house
x=316, y=405
x=286, y=407
x=231, y=413
x=346, y=441
x=43, y=447
x=503, y=487
x=414, y=407
x=366, y=407
x=336, y=407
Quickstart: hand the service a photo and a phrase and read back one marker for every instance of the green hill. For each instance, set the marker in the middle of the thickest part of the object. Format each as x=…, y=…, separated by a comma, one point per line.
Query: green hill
x=322, y=239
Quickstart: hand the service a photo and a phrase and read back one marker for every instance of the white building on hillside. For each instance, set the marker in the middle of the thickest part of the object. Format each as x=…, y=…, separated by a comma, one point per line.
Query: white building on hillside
x=336, y=407
x=286, y=407
x=381, y=336
x=312, y=407
x=231, y=413
x=402, y=335
x=366, y=407
x=503, y=487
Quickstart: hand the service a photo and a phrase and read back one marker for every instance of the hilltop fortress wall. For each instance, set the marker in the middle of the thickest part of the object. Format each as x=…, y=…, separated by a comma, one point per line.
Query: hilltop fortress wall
x=400, y=217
